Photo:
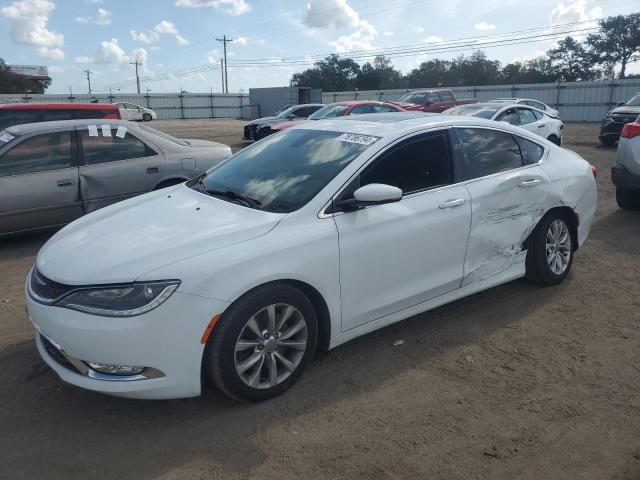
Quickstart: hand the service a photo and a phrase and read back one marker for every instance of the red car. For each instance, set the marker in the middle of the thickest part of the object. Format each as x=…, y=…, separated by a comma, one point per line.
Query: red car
x=434, y=101
x=19, y=113
x=339, y=109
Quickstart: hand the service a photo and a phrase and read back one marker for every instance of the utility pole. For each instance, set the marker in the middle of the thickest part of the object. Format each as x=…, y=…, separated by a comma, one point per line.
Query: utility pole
x=137, y=63
x=88, y=72
x=222, y=76
x=224, y=41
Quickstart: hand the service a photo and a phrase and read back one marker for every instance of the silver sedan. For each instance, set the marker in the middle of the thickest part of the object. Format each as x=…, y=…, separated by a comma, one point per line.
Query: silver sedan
x=54, y=172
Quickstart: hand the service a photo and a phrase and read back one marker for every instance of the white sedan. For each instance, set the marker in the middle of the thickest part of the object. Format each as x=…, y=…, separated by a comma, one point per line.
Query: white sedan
x=131, y=111
x=304, y=240
x=528, y=118
x=531, y=103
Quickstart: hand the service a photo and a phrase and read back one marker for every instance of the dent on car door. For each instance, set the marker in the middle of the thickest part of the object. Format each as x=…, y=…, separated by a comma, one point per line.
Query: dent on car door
x=38, y=183
x=508, y=189
x=115, y=165
x=396, y=255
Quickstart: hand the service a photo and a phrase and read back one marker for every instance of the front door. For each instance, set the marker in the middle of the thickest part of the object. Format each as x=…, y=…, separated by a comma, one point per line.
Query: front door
x=38, y=183
x=115, y=165
x=400, y=254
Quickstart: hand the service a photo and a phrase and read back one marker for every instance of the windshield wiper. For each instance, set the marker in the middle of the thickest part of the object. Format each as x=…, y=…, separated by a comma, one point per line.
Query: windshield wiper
x=250, y=202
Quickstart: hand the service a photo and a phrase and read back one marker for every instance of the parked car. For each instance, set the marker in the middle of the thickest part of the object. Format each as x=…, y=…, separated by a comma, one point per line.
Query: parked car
x=528, y=118
x=239, y=275
x=19, y=113
x=53, y=172
x=434, y=101
x=338, y=109
x=614, y=120
x=131, y=111
x=295, y=112
x=552, y=112
x=625, y=173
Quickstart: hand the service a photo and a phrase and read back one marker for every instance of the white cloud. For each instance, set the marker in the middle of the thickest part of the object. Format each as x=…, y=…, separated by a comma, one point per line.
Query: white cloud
x=573, y=11
x=110, y=52
x=241, y=40
x=165, y=27
x=433, y=39
x=361, y=39
x=29, y=27
x=419, y=29
x=104, y=17
x=331, y=14
x=388, y=34
x=484, y=26
x=213, y=56
x=232, y=7
x=82, y=19
x=83, y=60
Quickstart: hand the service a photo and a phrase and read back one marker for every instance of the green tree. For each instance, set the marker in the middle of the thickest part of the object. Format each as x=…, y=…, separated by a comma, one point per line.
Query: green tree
x=476, y=69
x=12, y=83
x=617, y=42
x=538, y=70
x=379, y=75
x=331, y=74
x=433, y=73
x=571, y=61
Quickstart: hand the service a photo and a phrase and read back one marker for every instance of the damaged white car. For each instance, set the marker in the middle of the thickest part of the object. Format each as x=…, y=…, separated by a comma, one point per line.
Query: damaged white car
x=305, y=240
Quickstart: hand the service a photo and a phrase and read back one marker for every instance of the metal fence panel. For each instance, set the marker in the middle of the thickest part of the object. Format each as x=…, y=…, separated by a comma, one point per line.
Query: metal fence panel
x=166, y=105
x=576, y=101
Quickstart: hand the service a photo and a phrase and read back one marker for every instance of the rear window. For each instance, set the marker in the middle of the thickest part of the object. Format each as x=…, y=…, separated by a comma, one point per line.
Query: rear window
x=329, y=111
x=473, y=111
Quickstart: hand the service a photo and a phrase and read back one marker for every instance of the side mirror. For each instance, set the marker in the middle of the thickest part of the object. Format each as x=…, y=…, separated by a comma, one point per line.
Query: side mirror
x=372, y=194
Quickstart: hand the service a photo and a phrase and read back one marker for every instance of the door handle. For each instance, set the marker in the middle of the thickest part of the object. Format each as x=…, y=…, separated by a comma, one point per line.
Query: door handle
x=540, y=126
x=65, y=183
x=153, y=170
x=530, y=182
x=452, y=203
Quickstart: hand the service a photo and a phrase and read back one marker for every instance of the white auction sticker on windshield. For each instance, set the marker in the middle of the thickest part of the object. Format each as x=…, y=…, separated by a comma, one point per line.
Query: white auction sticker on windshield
x=357, y=138
x=93, y=130
x=121, y=132
x=106, y=130
x=6, y=137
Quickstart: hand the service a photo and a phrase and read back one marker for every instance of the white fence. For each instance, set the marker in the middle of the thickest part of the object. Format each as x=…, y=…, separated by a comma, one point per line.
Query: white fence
x=166, y=105
x=576, y=101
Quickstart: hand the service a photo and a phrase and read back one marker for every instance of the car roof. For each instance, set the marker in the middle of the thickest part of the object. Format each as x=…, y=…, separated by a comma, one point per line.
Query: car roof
x=58, y=106
x=27, y=128
x=358, y=102
x=308, y=105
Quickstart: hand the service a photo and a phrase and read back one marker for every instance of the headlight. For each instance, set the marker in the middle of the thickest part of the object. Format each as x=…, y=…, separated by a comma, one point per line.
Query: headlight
x=120, y=301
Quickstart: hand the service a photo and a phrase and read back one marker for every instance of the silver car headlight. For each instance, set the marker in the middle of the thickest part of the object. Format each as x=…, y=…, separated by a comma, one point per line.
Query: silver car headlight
x=121, y=300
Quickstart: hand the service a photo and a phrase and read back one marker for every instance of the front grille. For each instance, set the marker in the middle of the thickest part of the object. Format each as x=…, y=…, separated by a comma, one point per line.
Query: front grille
x=56, y=355
x=46, y=288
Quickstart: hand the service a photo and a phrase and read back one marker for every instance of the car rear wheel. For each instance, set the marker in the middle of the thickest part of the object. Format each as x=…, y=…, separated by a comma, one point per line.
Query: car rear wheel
x=262, y=343
x=146, y=117
x=628, y=198
x=550, y=251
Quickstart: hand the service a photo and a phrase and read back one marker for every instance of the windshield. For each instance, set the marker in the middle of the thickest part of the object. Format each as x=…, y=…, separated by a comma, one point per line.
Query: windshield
x=329, y=111
x=473, y=111
x=284, y=171
x=285, y=112
x=633, y=101
x=415, y=97
x=166, y=136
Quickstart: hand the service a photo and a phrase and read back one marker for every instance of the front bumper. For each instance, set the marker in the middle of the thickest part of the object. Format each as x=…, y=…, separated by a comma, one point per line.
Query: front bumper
x=166, y=341
x=610, y=128
x=621, y=177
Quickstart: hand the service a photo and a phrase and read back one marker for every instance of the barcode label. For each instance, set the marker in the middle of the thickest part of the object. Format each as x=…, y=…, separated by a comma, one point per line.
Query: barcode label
x=357, y=138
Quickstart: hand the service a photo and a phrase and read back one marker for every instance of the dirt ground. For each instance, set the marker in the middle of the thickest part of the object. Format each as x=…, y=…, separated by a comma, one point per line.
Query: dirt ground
x=516, y=382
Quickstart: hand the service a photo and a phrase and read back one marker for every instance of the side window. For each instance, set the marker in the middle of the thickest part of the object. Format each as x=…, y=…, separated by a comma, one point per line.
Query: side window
x=446, y=97
x=538, y=115
x=510, y=116
x=489, y=151
x=531, y=152
x=433, y=97
x=415, y=165
x=383, y=109
x=37, y=154
x=101, y=149
x=305, y=111
x=526, y=116
x=360, y=109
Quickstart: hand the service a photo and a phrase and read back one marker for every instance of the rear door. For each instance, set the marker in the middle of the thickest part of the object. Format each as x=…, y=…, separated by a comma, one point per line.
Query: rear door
x=508, y=188
x=115, y=164
x=529, y=121
x=38, y=182
x=447, y=100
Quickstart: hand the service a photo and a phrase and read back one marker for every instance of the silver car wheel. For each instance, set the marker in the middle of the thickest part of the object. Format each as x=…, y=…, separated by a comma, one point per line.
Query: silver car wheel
x=558, y=246
x=270, y=346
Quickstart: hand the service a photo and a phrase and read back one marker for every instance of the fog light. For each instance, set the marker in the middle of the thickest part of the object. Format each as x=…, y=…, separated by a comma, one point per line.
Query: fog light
x=115, y=369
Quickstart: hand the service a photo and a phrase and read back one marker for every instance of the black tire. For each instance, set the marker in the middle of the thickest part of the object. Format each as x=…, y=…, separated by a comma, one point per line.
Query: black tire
x=169, y=183
x=219, y=354
x=628, y=198
x=146, y=117
x=538, y=270
x=608, y=141
x=554, y=139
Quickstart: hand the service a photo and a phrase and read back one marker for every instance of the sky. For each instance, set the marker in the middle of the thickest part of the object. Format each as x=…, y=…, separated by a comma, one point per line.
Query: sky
x=175, y=40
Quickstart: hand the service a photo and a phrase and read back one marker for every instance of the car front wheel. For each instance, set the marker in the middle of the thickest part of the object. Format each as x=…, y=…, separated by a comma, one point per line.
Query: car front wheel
x=146, y=117
x=550, y=251
x=628, y=198
x=262, y=343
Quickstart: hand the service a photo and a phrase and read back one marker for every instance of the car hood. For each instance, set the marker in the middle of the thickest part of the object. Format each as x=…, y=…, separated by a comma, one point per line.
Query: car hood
x=625, y=109
x=121, y=242
x=263, y=119
x=204, y=143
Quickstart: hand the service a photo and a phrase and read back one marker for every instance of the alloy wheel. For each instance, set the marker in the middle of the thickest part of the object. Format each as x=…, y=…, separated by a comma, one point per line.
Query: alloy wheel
x=558, y=246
